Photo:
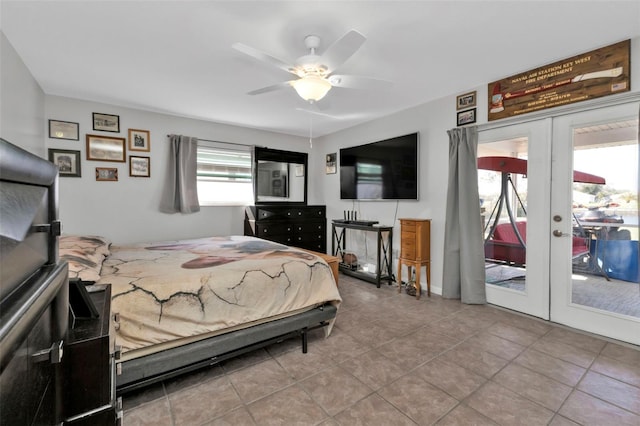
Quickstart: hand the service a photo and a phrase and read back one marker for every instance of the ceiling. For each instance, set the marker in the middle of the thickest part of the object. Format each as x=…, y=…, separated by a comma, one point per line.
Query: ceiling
x=175, y=57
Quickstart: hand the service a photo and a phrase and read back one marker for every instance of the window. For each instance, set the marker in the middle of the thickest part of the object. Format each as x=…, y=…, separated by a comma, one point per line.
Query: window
x=224, y=175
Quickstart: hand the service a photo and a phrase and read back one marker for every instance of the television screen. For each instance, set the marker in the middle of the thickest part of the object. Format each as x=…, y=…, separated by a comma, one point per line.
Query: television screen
x=383, y=170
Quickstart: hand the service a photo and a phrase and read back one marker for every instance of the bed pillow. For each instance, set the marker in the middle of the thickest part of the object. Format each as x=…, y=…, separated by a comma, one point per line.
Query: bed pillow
x=85, y=255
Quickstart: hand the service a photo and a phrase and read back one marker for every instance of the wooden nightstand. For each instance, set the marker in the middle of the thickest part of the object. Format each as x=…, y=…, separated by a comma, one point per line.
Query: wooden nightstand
x=415, y=250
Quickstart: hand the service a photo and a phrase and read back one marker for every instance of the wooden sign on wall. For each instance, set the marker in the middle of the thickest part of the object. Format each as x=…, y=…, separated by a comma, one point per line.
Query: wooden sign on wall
x=591, y=75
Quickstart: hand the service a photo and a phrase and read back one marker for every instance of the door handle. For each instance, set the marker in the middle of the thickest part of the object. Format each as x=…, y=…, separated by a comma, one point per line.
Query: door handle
x=559, y=233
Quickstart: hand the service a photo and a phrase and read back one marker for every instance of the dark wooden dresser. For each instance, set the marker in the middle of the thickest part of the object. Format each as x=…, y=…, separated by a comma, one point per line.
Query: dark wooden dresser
x=89, y=366
x=299, y=226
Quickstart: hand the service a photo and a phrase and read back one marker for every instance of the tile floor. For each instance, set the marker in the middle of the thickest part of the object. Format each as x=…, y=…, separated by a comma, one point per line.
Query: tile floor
x=392, y=360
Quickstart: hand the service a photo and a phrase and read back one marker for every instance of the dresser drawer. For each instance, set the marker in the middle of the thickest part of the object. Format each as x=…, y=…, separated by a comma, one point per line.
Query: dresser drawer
x=408, y=227
x=264, y=230
x=407, y=248
x=306, y=227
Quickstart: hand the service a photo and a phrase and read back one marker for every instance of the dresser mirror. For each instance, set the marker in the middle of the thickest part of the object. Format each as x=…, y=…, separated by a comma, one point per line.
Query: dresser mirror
x=279, y=176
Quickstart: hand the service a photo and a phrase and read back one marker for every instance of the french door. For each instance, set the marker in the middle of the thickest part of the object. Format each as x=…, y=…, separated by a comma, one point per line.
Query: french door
x=559, y=200
x=516, y=194
x=594, y=286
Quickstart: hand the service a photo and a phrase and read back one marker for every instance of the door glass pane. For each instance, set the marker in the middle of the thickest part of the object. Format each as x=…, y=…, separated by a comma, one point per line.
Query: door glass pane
x=605, y=218
x=502, y=185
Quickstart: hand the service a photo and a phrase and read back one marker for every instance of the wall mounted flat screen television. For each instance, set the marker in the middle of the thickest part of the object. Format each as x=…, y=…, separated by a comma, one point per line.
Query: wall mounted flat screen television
x=383, y=170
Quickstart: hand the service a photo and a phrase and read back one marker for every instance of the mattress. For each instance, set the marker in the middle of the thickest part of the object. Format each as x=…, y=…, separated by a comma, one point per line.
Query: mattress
x=171, y=292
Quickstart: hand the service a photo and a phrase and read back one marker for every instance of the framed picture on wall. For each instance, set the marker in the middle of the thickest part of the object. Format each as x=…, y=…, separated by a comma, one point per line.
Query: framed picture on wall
x=106, y=122
x=467, y=100
x=466, y=117
x=68, y=162
x=139, y=166
x=64, y=130
x=139, y=140
x=105, y=148
x=331, y=163
x=106, y=174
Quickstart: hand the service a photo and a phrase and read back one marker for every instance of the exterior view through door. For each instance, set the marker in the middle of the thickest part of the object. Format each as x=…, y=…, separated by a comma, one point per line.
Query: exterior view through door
x=592, y=225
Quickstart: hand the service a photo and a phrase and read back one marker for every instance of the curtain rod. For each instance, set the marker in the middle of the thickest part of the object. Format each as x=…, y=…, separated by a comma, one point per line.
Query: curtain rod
x=228, y=143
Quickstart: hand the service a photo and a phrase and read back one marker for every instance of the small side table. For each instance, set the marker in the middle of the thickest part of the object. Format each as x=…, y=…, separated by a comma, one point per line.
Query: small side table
x=415, y=251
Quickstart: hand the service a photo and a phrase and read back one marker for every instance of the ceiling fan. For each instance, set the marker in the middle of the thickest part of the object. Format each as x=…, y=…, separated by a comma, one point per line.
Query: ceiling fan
x=316, y=72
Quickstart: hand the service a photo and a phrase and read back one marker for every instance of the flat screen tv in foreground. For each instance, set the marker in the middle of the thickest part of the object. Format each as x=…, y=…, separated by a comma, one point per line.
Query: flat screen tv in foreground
x=383, y=170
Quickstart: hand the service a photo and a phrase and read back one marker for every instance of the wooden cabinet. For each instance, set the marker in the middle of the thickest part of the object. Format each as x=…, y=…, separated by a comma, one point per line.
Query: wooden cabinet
x=415, y=250
x=89, y=365
x=298, y=226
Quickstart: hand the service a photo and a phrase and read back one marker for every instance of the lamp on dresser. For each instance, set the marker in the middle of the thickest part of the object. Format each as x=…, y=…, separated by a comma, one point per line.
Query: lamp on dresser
x=415, y=251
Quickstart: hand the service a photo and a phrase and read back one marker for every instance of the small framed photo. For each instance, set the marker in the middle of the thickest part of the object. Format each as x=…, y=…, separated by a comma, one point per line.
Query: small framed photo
x=105, y=148
x=331, y=163
x=106, y=174
x=466, y=117
x=106, y=122
x=467, y=100
x=139, y=140
x=68, y=162
x=139, y=166
x=64, y=130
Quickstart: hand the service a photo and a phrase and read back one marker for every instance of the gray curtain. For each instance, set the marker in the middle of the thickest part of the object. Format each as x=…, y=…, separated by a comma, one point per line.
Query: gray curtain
x=463, y=275
x=181, y=193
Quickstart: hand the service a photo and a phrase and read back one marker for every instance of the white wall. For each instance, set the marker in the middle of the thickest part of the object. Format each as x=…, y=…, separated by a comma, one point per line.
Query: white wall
x=21, y=102
x=432, y=120
x=127, y=211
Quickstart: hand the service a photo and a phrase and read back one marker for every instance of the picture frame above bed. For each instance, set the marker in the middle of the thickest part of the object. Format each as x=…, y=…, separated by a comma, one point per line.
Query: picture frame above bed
x=106, y=174
x=68, y=162
x=64, y=130
x=139, y=140
x=106, y=148
x=139, y=166
x=106, y=122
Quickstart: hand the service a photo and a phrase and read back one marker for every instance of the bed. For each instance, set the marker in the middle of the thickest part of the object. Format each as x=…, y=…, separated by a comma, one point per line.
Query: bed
x=181, y=305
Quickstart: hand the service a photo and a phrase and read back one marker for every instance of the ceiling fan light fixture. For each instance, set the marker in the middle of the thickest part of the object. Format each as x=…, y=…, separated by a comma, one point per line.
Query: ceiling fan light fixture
x=311, y=87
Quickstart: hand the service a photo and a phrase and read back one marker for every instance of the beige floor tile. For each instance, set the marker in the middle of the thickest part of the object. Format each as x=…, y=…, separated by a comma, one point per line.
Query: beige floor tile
x=300, y=365
x=513, y=334
x=496, y=345
x=205, y=402
x=335, y=389
x=626, y=354
x=157, y=413
x=465, y=416
x=559, y=420
x=508, y=408
x=419, y=400
x=290, y=406
x=622, y=371
x=375, y=370
x=588, y=410
x=565, y=352
x=341, y=346
x=373, y=411
x=259, y=380
x=579, y=340
x=554, y=368
x=451, y=378
x=475, y=359
x=142, y=396
x=534, y=386
x=239, y=416
x=611, y=390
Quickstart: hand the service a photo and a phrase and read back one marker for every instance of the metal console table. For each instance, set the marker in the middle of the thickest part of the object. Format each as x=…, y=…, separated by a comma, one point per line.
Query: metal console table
x=384, y=251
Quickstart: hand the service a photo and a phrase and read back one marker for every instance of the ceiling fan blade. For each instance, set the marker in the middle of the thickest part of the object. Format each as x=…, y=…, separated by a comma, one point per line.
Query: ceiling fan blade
x=264, y=57
x=314, y=112
x=283, y=85
x=342, y=49
x=358, y=82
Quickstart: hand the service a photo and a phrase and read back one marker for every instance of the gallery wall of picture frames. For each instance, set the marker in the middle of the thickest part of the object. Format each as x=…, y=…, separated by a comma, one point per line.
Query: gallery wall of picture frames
x=99, y=147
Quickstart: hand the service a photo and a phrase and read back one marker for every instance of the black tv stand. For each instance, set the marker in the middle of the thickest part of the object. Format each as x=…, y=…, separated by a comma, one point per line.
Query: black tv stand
x=384, y=237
